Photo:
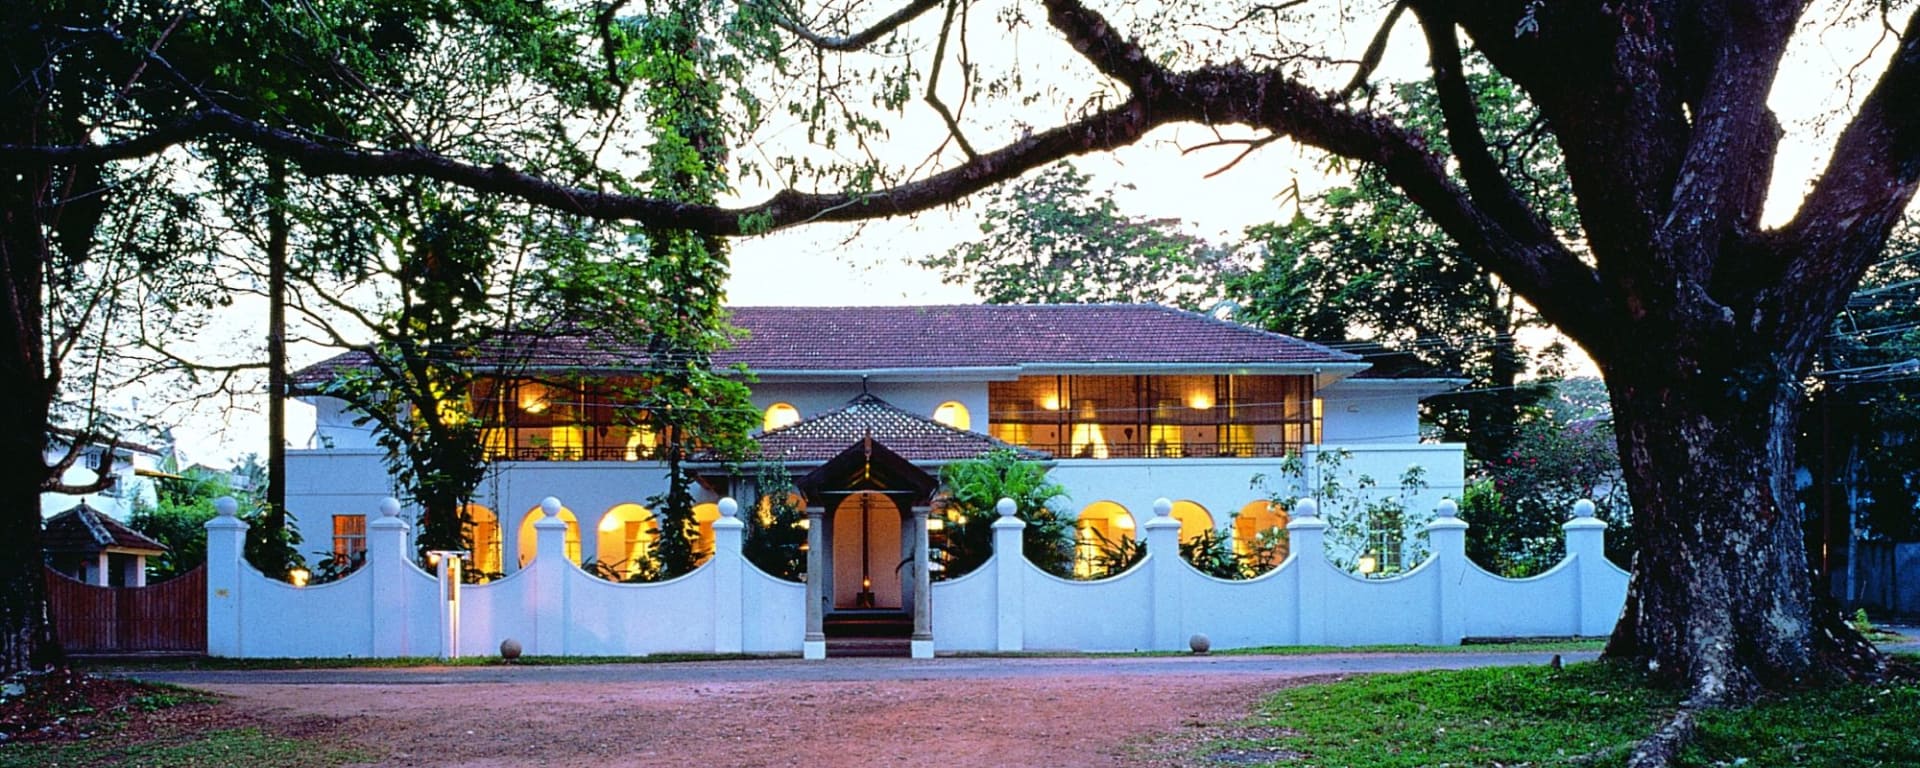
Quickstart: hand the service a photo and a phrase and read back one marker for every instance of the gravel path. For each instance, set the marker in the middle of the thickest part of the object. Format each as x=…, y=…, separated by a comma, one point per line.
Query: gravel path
x=950, y=712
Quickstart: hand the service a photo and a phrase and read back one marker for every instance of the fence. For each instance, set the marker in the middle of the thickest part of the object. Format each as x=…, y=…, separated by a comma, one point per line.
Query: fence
x=165, y=618
x=391, y=607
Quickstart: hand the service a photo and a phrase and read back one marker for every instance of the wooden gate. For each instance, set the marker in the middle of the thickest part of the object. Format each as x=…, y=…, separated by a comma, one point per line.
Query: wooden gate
x=165, y=618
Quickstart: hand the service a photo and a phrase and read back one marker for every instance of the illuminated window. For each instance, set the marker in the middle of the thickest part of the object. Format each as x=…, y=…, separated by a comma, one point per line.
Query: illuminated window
x=526, y=535
x=625, y=538
x=1101, y=527
x=779, y=415
x=1194, y=519
x=953, y=414
x=483, y=535
x=1260, y=531
x=703, y=516
x=349, y=537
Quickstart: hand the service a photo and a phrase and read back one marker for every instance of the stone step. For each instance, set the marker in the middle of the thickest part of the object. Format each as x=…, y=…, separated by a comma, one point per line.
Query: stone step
x=869, y=647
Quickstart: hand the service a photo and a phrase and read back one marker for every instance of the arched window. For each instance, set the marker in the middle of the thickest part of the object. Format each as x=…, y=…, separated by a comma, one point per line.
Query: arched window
x=779, y=415
x=1194, y=519
x=953, y=414
x=1260, y=533
x=483, y=534
x=1102, y=526
x=704, y=515
x=625, y=538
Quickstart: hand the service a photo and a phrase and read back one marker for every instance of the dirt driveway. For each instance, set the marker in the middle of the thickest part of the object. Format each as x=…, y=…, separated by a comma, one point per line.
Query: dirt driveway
x=1135, y=711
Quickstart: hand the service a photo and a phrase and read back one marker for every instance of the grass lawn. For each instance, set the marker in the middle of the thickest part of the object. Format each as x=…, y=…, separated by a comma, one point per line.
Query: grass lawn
x=1584, y=715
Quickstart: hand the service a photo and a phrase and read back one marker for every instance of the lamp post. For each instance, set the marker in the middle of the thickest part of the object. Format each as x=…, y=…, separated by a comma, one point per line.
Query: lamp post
x=447, y=563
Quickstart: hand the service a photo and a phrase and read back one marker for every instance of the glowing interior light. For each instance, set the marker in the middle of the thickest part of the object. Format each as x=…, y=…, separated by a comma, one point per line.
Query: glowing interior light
x=1200, y=401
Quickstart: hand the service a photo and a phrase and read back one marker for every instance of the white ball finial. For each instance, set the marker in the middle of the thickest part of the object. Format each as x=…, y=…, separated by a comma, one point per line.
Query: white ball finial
x=551, y=506
x=729, y=507
x=226, y=506
x=1162, y=507
x=1306, y=507
x=1006, y=507
x=1583, y=508
x=1446, y=508
x=389, y=507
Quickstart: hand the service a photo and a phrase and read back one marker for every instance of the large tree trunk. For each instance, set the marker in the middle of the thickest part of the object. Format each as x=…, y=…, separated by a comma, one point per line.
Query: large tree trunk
x=26, y=638
x=1719, y=600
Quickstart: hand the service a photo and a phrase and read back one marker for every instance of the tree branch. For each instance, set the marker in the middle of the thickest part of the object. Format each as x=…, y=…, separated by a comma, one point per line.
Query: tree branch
x=1858, y=199
x=853, y=42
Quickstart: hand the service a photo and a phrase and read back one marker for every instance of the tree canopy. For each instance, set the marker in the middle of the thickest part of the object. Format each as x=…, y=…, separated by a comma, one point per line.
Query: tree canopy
x=1703, y=317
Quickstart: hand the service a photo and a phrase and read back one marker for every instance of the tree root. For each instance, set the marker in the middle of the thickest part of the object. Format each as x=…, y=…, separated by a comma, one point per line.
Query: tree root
x=1659, y=750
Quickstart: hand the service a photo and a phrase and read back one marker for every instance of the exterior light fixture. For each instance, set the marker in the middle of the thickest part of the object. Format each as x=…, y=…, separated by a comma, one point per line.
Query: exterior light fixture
x=299, y=576
x=936, y=523
x=1368, y=564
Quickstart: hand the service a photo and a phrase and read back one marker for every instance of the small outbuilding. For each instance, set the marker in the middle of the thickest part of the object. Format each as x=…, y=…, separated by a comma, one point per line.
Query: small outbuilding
x=93, y=547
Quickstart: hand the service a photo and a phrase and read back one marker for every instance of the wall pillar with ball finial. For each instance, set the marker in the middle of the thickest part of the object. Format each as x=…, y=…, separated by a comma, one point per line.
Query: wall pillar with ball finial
x=226, y=560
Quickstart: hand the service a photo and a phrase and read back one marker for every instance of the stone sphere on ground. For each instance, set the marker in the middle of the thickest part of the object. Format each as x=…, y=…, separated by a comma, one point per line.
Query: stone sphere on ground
x=509, y=649
x=1199, y=643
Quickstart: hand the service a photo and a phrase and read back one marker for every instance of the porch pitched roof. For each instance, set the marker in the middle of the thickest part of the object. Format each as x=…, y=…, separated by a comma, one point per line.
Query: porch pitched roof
x=85, y=531
x=914, y=437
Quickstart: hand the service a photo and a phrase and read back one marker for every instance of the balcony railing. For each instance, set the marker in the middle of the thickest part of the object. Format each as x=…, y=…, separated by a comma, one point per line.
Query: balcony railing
x=1236, y=450
x=574, y=453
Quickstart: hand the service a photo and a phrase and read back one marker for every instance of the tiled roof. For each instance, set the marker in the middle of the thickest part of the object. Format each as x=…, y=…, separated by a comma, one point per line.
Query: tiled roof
x=83, y=530
x=913, y=437
x=820, y=339
x=995, y=335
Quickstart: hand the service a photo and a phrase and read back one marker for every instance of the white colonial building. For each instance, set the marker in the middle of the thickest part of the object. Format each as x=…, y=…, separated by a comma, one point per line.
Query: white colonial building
x=862, y=406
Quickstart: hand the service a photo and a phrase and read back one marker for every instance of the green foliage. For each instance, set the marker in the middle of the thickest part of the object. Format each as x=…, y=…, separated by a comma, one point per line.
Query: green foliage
x=776, y=538
x=971, y=488
x=1364, y=262
x=185, y=504
x=1363, y=519
x=1587, y=714
x=1113, y=557
x=1049, y=240
x=1212, y=552
x=1517, y=502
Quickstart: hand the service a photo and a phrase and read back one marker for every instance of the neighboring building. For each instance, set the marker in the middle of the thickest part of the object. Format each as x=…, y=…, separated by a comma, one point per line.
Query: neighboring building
x=91, y=547
x=133, y=464
x=863, y=405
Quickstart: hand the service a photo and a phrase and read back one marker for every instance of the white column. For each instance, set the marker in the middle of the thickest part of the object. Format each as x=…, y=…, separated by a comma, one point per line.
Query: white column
x=226, y=548
x=1599, y=590
x=1009, y=579
x=921, y=644
x=387, y=565
x=138, y=577
x=549, y=571
x=1307, y=548
x=814, y=645
x=101, y=576
x=729, y=561
x=1164, y=565
x=1448, y=536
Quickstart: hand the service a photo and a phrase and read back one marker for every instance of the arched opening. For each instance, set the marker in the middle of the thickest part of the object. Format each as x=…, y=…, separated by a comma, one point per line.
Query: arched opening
x=704, y=515
x=1102, y=535
x=953, y=414
x=624, y=540
x=1260, y=534
x=1194, y=519
x=525, y=537
x=483, y=535
x=779, y=415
